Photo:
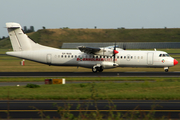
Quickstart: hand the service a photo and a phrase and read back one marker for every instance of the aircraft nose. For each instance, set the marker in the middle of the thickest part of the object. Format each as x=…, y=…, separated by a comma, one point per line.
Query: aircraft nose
x=175, y=62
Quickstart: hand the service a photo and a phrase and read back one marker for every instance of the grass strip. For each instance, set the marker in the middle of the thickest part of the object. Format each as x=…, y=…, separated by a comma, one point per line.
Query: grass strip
x=104, y=90
x=41, y=79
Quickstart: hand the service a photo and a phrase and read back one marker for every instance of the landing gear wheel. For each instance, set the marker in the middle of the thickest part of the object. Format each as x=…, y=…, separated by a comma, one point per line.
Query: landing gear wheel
x=101, y=69
x=166, y=70
x=94, y=70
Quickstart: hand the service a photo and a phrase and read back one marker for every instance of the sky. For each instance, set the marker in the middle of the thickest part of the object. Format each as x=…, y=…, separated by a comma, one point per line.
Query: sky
x=105, y=14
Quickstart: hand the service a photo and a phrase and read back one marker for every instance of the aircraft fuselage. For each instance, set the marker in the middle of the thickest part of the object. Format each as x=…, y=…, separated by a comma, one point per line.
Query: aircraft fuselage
x=125, y=58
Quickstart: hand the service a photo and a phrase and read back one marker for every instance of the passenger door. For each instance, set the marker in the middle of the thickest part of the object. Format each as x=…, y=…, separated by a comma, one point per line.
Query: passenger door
x=150, y=58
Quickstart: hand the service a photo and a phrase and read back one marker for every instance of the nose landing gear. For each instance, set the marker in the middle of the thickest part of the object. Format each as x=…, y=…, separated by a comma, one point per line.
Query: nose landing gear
x=166, y=69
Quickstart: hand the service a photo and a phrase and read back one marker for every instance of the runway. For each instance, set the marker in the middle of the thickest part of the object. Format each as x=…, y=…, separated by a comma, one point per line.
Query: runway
x=30, y=108
x=35, y=108
x=89, y=74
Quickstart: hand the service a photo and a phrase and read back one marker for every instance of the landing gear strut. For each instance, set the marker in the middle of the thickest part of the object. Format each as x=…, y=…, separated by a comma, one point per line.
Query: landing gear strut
x=94, y=69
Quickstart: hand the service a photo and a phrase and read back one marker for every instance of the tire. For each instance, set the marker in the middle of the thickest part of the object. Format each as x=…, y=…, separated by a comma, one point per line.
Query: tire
x=94, y=70
x=101, y=69
x=166, y=70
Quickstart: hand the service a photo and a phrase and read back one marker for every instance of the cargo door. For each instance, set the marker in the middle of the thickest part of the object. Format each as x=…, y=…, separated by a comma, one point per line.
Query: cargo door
x=49, y=58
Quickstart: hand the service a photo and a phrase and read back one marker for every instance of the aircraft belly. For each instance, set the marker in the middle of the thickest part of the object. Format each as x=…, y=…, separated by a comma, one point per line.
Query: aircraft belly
x=133, y=63
x=88, y=64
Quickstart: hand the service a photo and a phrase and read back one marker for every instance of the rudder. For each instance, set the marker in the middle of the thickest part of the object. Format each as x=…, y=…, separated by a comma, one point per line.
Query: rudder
x=19, y=40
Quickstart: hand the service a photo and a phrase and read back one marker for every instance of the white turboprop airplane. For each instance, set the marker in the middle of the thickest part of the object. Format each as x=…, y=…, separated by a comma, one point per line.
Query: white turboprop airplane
x=95, y=58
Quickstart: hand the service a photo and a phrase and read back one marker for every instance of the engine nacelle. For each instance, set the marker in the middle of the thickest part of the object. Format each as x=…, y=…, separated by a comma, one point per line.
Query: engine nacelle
x=106, y=52
x=107, y=65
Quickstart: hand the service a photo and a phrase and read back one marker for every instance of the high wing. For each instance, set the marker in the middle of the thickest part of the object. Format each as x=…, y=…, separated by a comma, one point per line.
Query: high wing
x=89, y=50
x=98, y=51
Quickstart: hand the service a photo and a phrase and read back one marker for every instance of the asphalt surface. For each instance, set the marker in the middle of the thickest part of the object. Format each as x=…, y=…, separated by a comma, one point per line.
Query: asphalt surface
x=17, y=109
x=90, y=74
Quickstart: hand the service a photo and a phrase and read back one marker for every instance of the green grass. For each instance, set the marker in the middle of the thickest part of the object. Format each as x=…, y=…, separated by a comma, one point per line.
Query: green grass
x=41, y=79
x=55, y=37
x=146, y=90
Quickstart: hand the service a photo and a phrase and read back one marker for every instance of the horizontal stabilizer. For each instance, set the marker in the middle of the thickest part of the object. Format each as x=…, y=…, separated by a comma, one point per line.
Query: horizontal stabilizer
x=13, y=25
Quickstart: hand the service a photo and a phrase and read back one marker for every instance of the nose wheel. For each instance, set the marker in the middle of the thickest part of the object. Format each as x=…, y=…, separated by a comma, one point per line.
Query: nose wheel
x=166, y=69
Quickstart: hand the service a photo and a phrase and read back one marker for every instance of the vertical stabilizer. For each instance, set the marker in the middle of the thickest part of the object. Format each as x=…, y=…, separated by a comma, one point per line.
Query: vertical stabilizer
x=19, y=40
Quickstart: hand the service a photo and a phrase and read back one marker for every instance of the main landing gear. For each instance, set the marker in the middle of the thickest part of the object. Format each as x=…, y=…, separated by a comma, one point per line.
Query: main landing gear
x=97, y=68
x=166, y=69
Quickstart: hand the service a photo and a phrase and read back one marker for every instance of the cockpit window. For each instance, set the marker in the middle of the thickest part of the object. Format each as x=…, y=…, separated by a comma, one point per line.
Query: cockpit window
x=164, y=55
x=167, y=55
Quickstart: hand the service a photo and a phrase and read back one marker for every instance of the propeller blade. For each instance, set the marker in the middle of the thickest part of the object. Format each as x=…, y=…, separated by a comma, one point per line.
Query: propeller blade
x=124, y=47
x=115, y=52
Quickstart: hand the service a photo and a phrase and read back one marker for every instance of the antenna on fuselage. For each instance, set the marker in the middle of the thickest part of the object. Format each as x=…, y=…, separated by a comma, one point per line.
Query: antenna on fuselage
x=124, y=46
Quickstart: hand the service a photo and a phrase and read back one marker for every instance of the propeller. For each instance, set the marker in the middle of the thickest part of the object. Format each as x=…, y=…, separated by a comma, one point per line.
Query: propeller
x=124, y=46
x=114, y=52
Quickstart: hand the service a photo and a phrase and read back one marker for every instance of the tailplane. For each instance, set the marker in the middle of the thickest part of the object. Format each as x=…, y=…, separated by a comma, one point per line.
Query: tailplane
x=19, y=40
